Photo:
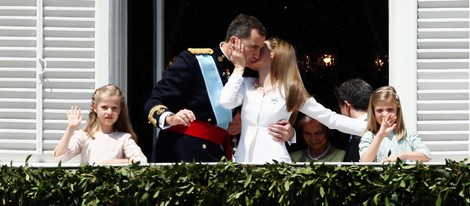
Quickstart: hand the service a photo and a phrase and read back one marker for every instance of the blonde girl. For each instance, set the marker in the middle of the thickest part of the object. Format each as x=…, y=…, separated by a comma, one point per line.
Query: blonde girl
x=387, y=138
x=107, y=137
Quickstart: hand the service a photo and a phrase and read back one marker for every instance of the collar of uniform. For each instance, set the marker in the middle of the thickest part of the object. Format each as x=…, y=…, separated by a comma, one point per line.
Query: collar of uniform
x=220, y=47
x=224, y=61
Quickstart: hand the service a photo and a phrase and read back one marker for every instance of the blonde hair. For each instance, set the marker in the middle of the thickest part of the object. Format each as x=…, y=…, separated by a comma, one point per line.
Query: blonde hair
x=385, y=94
x=285, y=73
x=122, y=124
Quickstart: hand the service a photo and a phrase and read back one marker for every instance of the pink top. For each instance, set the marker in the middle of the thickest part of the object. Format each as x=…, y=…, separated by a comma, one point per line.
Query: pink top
x=116, y=145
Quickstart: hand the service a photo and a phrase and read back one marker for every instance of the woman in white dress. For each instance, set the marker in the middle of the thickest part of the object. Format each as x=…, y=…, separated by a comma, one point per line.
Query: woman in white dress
x=278, y=93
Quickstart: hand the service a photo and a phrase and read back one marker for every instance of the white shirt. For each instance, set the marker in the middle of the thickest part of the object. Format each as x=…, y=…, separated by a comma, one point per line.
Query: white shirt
x=262, y=108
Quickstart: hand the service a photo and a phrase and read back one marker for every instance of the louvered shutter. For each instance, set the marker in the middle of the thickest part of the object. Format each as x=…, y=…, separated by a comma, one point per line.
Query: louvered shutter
x=17, y=77
x=47, y=64
x=443, y=77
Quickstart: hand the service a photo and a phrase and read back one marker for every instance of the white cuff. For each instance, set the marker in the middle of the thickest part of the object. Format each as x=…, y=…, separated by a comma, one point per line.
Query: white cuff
x=161, y=122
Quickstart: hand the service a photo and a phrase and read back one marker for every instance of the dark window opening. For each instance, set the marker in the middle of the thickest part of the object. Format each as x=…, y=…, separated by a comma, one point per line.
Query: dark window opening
x=335, y=39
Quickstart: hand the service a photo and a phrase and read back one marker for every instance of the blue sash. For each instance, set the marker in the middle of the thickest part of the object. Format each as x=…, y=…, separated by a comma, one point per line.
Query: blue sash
x=214, y=87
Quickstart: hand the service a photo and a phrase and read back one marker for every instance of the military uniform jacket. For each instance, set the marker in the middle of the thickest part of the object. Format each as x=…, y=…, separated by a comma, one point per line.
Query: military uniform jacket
x=182, y=87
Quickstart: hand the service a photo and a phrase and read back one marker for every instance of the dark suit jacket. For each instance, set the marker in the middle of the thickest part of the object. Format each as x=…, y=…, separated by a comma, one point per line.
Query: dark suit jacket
x=352, y=152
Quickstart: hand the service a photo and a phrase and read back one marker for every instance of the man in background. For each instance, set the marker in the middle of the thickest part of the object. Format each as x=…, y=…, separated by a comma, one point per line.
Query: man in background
x=353, y=99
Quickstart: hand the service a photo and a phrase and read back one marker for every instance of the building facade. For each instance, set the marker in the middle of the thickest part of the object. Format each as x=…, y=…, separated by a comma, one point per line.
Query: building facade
x=54, y=53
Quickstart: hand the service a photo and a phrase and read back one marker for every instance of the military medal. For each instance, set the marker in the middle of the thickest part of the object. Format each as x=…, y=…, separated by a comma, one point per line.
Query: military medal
x=221, y=58
x=226, y=73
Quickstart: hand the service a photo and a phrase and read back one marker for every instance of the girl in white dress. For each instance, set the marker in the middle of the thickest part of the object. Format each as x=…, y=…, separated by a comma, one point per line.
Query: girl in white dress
x=277, y=94
x=107, y=138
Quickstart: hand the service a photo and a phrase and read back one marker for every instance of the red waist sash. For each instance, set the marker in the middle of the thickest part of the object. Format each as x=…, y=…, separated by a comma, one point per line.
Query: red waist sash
x=206, y=131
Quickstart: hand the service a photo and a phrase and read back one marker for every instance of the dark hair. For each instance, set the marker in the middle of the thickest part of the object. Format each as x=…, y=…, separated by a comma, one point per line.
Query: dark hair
x=356, y=91
x=242, y=25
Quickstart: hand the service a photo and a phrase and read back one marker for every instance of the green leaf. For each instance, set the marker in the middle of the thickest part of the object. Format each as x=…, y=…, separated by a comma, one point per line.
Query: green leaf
x=287, y=185
x=27, y=159
x=377, y=199
x=402, y=183
x=144, y=197
x=306, y=171
x=190, y=190
x=439, y=199
x=247, y=181
x=237, y=195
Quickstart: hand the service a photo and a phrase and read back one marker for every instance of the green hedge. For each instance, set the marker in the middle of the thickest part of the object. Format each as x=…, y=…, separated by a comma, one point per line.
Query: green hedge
x=235, y=184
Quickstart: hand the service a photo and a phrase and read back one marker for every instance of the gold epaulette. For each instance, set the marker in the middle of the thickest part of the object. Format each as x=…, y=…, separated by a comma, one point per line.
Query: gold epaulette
x=159, y=109
x=197, y=51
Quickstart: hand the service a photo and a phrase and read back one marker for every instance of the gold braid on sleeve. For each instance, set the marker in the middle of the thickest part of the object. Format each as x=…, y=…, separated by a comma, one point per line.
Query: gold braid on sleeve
x=159, y=109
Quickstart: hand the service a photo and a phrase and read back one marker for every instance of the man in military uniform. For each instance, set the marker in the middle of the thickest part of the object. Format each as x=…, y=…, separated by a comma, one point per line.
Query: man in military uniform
x=184, y=103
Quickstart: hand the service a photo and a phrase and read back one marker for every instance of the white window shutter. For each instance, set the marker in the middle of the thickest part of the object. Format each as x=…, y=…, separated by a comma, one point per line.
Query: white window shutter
x=47, y=64
x=18, y=46
x=69, y=51
x=443, y=78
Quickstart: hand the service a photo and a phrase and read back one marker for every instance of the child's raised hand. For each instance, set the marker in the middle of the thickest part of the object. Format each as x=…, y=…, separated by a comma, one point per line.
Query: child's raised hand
x=74, y=116
x=388, y=123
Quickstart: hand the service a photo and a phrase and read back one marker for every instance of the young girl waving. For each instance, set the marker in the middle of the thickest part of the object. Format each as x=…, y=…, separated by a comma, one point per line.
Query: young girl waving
x=387, y=139
x=107, y=138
